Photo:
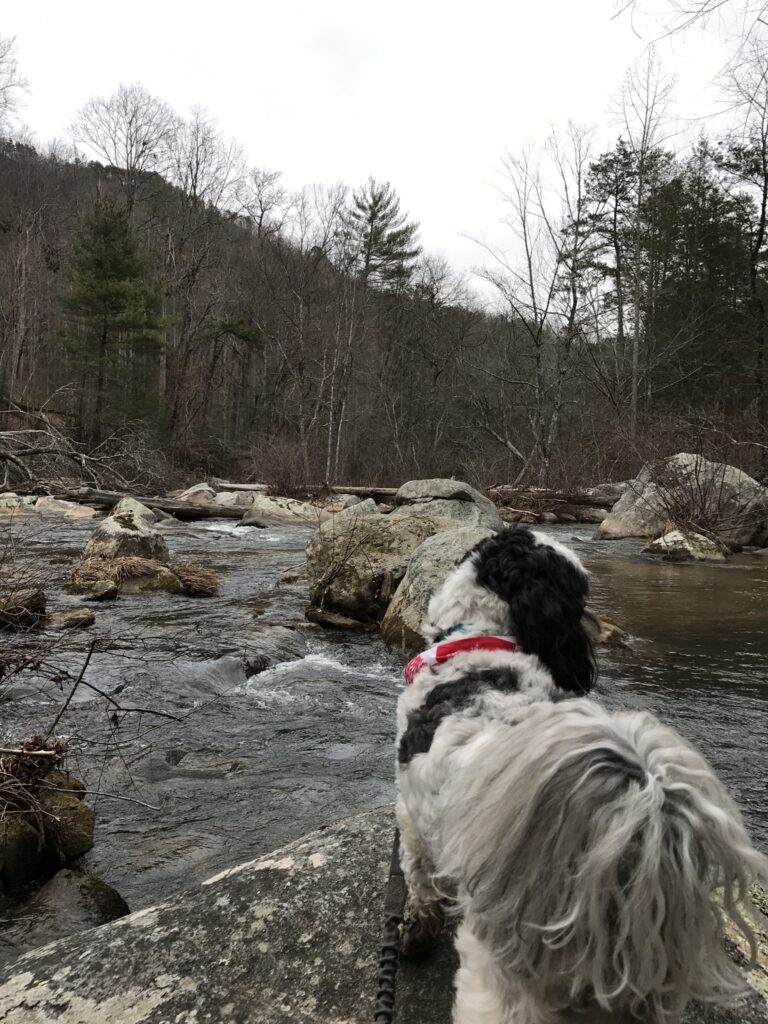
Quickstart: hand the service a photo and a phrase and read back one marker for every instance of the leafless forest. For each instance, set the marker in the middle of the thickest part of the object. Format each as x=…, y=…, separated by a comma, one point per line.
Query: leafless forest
x=161, y=299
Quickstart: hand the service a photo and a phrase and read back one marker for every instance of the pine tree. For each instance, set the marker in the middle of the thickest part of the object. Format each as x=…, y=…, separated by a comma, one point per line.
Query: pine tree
x=383, y=237
x=113, y=323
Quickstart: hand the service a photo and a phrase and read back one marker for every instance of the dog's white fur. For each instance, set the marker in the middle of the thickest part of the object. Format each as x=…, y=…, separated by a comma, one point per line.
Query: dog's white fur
x=586, y=850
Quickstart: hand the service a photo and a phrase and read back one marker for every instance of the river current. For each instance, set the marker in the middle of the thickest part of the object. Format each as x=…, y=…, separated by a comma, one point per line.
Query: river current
x=248, y=763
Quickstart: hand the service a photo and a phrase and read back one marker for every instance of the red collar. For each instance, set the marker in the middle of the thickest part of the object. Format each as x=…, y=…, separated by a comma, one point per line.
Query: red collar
x=444, y=652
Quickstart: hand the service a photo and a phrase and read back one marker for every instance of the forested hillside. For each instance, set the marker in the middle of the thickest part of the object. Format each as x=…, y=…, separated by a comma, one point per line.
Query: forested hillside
x=161, y=295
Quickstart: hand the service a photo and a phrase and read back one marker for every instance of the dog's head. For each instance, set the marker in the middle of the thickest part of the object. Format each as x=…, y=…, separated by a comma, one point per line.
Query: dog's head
x=524, y=583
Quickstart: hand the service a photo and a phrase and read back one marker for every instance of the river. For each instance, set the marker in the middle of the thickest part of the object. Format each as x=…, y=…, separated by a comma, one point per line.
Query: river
x=247, y=764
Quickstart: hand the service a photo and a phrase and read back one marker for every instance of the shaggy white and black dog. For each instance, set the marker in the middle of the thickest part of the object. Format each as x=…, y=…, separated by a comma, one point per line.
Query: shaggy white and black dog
x=594, y=857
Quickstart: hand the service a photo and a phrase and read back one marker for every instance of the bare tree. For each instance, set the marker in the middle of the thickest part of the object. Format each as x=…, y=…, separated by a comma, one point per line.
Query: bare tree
x=745, y=158
x=642, y=112
x=130, y=131
x=540, y=286
x=751, y=16
x=11, y=83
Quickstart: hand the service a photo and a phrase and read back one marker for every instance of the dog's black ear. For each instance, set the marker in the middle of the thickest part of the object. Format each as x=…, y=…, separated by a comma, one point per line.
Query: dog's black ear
x=547, y=595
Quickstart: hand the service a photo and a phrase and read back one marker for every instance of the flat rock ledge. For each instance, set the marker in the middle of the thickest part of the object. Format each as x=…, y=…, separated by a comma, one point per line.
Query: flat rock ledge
x=289, y=937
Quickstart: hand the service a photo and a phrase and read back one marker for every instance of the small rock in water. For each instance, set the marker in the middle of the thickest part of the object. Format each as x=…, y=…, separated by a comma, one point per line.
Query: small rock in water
x=677, y=546
x=333, y=620
x=104, y=590
x=71, y=618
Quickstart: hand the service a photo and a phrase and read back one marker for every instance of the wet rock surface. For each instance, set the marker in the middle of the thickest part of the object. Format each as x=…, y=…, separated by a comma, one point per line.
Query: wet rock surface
x=292, y=936
x=71, y=902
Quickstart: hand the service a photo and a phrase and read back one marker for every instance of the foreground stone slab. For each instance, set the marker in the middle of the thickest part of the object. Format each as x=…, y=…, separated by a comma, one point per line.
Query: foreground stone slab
x=292, y=937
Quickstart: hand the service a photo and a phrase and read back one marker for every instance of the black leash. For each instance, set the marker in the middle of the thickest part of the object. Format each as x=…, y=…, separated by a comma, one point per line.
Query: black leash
x=394, y=907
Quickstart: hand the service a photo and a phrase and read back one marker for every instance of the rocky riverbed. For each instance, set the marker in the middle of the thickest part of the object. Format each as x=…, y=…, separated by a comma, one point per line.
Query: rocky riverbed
x=253, y=759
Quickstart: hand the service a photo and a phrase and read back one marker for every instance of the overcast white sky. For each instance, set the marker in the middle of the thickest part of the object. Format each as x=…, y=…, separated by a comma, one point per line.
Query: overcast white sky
x=425, y=94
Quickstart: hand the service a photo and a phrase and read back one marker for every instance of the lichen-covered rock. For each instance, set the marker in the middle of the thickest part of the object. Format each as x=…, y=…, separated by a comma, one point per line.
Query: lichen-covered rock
x=688, y=488
x=677, y=546
x=70, y=902
x=356, y=561
x=430, y=563
x=452, y=499
x=290, y=938
x=129, y=530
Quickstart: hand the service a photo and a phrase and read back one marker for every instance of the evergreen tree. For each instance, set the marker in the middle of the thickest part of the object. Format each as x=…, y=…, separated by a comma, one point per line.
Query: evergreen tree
x=113, y=321
x=383, y=238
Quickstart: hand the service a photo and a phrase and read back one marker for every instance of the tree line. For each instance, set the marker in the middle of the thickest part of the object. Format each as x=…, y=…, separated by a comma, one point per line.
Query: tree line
x=159, y=290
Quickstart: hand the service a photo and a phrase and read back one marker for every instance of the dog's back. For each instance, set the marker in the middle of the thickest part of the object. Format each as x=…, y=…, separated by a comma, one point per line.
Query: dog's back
x=596, y=856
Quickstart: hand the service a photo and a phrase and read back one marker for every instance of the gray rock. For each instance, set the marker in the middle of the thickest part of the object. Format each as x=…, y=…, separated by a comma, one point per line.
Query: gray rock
x=104, y=590
x=452, y=499
x=11, y=502
x=332, y=620
x=291, y=937
x=356, y=561
x=429, y=565
x=338, y=502
x=677, y=546
x=267, y=645
x=21, y=853
x=234, y=498
x=70, y=509
x=251, y=518
x=199, y=494
x=688, y=487
x=159, y=580
x=272, y=508
x=71, y=902
x=129, y=530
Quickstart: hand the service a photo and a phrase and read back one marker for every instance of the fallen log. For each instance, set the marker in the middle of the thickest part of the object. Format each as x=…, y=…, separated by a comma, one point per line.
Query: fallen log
x=508, y=494
x=183, y=510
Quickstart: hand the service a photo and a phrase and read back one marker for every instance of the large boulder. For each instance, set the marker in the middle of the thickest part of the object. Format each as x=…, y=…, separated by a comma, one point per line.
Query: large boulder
x=293, y=936
x=452, y=499
x=678, y=546
x=356, y=560
x=689, y=491
x=429, y=565
x=129, y=530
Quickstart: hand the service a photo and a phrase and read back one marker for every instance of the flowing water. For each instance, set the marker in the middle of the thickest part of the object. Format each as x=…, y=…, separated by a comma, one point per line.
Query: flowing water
x=248, y=763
